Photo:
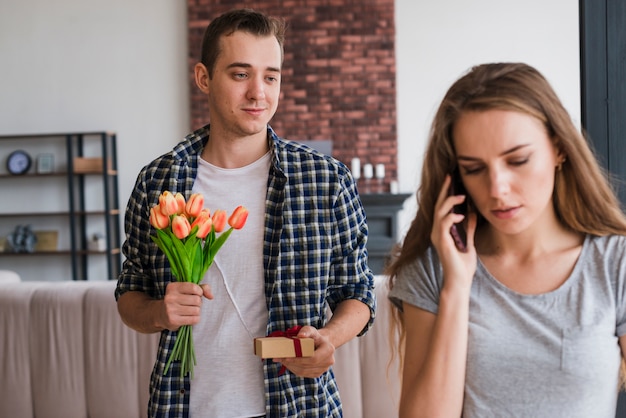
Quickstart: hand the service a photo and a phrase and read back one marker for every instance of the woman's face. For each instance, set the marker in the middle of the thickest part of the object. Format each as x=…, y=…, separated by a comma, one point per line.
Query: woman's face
x=507, y=162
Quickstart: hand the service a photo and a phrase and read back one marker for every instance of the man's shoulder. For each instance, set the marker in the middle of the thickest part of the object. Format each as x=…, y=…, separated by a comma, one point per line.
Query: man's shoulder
x=191, y=145
x=295, y=152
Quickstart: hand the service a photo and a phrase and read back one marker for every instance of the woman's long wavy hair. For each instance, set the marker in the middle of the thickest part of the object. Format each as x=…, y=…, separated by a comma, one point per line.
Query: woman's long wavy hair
x=583, y=198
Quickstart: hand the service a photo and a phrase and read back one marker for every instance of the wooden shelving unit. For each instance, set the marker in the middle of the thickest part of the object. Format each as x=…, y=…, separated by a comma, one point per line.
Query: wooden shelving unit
x=83, y=189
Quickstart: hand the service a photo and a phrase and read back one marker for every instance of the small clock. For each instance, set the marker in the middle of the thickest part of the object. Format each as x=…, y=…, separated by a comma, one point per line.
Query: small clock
x=18, y=162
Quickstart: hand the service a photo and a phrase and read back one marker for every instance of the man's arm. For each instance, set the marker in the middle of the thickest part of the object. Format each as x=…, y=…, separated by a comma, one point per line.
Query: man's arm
x=348, y=320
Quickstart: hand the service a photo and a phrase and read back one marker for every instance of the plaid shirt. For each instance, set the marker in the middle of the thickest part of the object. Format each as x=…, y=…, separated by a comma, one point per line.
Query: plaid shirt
x=314, y=255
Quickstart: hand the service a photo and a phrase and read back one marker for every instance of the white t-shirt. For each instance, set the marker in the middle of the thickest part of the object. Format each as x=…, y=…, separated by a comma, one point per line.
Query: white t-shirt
x=228, y=378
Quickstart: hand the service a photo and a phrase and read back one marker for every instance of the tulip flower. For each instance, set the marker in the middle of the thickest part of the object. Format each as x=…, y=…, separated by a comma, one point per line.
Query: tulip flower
x=180, y=226
x=180, y=202
x=238, y=219
x=189, y=255
x=157, y=219
x=168, y=204
x=219, y=220
x=194, y=205
x=204, y=223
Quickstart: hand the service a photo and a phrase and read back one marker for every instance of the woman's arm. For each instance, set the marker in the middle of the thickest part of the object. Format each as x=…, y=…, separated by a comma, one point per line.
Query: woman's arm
x=433, y=377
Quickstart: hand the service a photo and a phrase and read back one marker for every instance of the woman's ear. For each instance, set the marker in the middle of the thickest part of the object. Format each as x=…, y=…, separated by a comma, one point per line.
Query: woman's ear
x=560, y=159
x=202, y=77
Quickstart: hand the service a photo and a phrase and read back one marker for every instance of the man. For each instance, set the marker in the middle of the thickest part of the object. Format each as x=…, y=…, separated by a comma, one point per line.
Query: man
x=302, y=249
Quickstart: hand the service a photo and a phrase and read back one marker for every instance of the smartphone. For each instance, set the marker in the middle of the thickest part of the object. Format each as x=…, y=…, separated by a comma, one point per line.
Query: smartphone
x=458, y=230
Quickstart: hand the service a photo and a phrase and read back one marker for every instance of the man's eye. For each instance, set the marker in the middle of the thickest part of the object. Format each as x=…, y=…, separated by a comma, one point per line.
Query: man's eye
x=240, y=75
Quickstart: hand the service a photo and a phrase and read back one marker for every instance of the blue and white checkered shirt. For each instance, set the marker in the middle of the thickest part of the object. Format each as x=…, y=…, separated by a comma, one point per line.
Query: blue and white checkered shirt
x=314, y=255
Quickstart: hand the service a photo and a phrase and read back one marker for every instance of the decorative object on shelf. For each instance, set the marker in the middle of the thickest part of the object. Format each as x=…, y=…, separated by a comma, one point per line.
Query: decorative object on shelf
x=22, y=239
x=47, y=240
x=45, y=163
x=368, y=174
x=355, y=168
x=3, y=244
x=394, y=188
x=97, y=242
x=87, y=165
x=18, y=162
x=380, y=177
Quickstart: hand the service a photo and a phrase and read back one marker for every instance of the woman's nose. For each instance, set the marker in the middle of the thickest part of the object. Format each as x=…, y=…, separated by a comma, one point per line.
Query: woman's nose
x=499, y=183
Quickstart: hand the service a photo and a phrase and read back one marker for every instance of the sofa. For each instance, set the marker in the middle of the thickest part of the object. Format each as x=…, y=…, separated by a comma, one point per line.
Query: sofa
x=65, y=353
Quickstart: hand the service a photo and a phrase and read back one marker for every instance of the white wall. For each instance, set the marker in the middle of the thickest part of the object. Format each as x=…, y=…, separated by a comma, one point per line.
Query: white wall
x=437, y=41
x=121, y=65
x=76, y=65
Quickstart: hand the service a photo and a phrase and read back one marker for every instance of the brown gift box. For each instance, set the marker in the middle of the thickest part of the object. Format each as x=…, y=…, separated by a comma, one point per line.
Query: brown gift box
x=282, y=347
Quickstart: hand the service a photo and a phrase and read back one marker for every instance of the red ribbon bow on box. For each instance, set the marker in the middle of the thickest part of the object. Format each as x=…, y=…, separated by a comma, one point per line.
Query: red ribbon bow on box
x=293, y=334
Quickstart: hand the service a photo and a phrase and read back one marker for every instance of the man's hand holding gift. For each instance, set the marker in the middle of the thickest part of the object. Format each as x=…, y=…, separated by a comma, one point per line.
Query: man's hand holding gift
x=314, y=366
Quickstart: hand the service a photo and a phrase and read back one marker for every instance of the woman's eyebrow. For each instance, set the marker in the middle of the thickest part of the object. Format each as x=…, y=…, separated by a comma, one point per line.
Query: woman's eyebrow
x=508, y=151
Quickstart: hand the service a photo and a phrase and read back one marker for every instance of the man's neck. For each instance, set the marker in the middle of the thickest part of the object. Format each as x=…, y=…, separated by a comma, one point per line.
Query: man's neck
x=234, y=152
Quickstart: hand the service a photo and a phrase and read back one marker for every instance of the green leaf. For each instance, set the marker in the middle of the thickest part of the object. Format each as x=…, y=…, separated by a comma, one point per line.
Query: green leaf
x=185, y=264
x=196, y=262
x=219, y=241
x=164, y=242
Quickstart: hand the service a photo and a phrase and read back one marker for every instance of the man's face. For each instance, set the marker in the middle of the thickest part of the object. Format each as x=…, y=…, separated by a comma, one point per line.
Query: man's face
x=243, y=93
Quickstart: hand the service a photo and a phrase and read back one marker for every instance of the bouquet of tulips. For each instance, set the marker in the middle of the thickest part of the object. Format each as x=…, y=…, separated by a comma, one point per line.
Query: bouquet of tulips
x=187, y=234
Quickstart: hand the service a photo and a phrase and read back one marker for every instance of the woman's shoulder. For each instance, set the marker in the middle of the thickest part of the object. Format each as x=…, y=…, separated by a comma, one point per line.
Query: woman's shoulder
x=606, y=242
x=611, y=248
x=424, y=265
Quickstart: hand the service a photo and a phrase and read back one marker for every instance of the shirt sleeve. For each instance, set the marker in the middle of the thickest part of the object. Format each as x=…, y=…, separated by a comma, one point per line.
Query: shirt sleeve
x=351, y=277
x=135, y=273
x=419, y=283
x=620, y=285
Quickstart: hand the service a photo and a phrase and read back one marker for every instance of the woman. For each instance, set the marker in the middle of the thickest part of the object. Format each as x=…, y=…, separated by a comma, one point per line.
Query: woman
x=528, y=318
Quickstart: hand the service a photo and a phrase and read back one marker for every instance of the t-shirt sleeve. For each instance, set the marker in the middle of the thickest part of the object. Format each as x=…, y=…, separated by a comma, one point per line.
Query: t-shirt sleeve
x=419, y=283
x=620, y=287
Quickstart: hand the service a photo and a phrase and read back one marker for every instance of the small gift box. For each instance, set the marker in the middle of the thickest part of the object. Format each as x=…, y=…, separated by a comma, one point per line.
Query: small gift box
x=283, y=347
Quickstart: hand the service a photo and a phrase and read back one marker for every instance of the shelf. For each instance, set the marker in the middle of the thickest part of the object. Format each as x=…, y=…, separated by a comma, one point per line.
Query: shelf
x=66, y=213
x=27, y=175
x=55, y=174
x=61, y=135
x=59, y=252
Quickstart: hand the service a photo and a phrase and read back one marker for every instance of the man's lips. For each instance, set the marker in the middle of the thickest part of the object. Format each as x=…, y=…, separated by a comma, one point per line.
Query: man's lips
x=254, y=110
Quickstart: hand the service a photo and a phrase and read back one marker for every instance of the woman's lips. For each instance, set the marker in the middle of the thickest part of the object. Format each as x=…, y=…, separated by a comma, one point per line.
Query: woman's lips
x=505, y=213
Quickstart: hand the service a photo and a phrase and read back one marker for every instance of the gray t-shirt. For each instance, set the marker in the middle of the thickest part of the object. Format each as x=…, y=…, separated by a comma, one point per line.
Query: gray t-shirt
x=550, y=355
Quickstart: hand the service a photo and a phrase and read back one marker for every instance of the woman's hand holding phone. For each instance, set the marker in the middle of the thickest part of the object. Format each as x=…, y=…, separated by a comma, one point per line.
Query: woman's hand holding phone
x=457, y=230
x=453, y=234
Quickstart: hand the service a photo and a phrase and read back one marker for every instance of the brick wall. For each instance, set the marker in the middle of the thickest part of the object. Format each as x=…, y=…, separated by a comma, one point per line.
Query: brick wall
x=338, y=77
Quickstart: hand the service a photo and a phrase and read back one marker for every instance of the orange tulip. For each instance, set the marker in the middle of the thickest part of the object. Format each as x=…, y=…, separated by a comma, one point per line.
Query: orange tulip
x=204, y=223
x=168, y=203
x=180, y=201
x=158, y=219
x=219, y=220
x=195, y=204
x=180, y=226
x=238, y=219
